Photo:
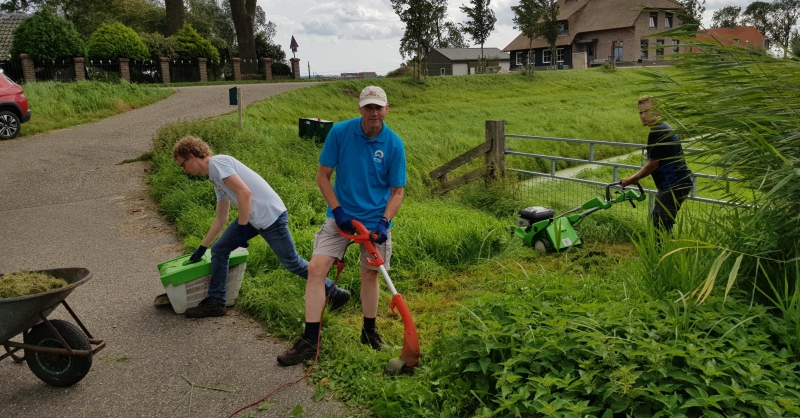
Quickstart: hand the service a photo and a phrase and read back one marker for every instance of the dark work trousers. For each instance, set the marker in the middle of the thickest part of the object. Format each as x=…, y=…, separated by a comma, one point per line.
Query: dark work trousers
x=668, y=203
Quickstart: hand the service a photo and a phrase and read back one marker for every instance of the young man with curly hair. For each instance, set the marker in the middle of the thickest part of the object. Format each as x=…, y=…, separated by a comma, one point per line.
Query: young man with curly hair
x=261, y=212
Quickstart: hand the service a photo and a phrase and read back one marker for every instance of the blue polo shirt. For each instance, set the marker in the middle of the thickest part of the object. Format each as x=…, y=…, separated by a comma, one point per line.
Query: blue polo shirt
x=366, y=169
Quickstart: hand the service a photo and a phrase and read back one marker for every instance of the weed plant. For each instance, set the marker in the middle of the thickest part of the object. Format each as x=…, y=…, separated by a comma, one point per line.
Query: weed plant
x=60, y=105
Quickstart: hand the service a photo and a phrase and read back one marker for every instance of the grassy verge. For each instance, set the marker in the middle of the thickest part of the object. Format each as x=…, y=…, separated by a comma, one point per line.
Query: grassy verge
x=504, y=331
x=57, y=105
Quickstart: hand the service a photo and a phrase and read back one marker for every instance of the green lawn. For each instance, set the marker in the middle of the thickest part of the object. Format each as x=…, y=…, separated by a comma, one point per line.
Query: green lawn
x=504, y=331
x=56, y=105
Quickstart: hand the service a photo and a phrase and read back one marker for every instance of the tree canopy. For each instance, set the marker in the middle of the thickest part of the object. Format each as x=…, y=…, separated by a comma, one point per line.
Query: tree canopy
x=480, y=23
x=726, y=17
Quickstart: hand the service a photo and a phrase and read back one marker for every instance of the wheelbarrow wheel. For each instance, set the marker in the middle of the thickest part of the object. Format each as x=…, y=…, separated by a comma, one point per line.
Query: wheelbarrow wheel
x=58, y=369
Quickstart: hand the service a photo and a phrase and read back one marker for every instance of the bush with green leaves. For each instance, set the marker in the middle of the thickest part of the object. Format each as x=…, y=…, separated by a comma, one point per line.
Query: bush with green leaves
x=117, y=41
x=160, y=46
x=45, y=36
x=545, y=350
x=192, y=46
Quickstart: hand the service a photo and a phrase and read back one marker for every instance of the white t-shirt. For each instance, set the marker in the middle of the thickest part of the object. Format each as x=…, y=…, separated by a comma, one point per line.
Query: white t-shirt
x=265, y=205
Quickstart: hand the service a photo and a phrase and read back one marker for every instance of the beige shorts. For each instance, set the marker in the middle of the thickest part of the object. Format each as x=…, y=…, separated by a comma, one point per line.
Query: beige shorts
x=329, y=242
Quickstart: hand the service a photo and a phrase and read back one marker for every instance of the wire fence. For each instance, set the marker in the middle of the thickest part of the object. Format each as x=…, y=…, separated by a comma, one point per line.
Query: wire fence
x=102, y=70
x=145, y=72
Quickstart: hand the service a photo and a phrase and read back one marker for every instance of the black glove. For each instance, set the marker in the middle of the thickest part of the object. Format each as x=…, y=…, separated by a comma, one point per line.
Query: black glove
x=379, y=235
x=343, y=220
x=198, y=254
x=242, y=237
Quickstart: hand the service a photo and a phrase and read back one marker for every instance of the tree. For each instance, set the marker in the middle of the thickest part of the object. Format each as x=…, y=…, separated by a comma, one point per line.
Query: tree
x=176, y=14
x=726, y=17
x=420, y=18
x=783, y=16
x=117, y=41
x=480, y=24
x=452, y=37
x=757, y=14
x=45, y=36
x=692, y=11
x=211, y=20
x=795, y=44
x=526, y=20
x=243, y=13
x=550, y=29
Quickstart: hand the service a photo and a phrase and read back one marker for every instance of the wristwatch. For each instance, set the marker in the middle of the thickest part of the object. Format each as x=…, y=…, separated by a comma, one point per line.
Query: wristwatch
x=388, y=220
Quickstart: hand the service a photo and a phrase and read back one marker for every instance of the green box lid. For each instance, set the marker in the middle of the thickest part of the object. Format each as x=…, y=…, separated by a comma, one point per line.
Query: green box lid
x=179, y=270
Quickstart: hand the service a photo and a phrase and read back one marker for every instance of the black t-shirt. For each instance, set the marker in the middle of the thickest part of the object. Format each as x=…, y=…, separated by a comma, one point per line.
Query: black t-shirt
x=663, y=145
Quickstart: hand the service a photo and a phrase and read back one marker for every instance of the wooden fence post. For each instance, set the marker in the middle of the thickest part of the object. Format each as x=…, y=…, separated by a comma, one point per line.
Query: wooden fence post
x=495, y=157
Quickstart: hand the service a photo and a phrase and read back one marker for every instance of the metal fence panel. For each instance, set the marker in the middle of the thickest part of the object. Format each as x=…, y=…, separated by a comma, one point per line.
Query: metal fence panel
x=102, y=70
x=184, y=71
x=219, y=70
x=145, y=72
x=13, y=69
x=55, y=70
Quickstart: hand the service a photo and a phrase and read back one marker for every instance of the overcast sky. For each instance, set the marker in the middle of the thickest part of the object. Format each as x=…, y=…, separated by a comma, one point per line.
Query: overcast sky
x=364, y=35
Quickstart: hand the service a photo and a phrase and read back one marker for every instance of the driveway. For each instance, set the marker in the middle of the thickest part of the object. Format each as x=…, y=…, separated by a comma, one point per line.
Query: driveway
x=67, y=202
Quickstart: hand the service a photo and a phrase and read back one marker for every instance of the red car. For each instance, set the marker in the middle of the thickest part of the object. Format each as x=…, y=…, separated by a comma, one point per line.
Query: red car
x=13, y=108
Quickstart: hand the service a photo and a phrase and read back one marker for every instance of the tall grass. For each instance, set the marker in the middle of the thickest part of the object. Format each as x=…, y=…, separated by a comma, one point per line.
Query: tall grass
x=56, y=105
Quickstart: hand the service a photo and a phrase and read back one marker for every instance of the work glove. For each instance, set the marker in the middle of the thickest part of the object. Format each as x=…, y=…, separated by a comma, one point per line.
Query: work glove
x=378, y=235
x=197, y=255
x=241, y=234
x=343, y=220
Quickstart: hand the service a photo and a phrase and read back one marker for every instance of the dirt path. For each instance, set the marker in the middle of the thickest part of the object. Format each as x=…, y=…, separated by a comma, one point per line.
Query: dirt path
x=66, y=202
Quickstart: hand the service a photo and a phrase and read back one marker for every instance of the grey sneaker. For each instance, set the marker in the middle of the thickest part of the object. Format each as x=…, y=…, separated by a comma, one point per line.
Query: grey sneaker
x=373, y=340
x=339, y=299
x=301, y=351
x=207, y=307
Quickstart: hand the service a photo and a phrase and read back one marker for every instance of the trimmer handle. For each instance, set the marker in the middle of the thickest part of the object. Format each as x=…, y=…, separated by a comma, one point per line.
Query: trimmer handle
x=619, y=183
x=362, y=237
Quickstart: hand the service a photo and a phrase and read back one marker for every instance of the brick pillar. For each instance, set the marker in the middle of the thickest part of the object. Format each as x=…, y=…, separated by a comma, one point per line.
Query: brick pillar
x=80, y=69
x=267, y=68
x=201, y=62
x=125, y=69
x=237, y=68
x=164, y=69
x=28, y=71
x=295, y=68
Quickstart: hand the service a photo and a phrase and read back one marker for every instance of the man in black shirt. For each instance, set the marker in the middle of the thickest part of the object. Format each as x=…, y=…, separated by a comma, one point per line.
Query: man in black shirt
x=666, y=164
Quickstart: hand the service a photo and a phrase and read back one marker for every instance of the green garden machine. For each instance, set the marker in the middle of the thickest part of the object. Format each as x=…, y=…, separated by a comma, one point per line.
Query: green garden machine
x=538, y=227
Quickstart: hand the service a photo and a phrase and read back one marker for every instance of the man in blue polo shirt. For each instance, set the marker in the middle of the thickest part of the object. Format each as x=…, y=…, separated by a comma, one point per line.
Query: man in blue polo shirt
x=370, y=164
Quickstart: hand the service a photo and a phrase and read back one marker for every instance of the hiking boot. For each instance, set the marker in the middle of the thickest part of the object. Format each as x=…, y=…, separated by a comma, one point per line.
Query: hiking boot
x=373, y=340
x=301, y=351
x=207, y=307
x=339, y=299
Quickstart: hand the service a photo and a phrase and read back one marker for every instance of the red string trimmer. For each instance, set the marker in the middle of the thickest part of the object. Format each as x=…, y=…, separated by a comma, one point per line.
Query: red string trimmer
x=409, y=357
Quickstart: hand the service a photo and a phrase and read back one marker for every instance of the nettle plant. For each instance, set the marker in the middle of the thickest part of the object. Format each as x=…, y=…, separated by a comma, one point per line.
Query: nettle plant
x=544, y=352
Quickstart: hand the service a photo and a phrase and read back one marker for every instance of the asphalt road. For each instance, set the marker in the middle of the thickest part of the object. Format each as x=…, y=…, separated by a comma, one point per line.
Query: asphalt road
x=66, y=202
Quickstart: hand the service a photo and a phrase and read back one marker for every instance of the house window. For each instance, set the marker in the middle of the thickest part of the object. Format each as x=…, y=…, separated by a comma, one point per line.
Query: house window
x=667, y=20
x=564, y=27
x=590, y=51
x=736, y=41
x=645, y=47
x=653, y=19
x=560, y=55
x=675, y=47
x=520, y=58
x=660, y=48
x=441, y=71
x=546, y=56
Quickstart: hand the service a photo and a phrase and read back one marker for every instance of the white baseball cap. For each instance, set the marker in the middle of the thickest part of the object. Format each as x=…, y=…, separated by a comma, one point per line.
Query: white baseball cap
x=372, y=95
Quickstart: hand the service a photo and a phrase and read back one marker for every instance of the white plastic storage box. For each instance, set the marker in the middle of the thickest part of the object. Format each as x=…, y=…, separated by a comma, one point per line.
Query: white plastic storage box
x=187, y=283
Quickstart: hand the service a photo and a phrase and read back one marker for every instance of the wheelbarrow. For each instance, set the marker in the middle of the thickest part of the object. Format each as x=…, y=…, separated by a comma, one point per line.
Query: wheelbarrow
x=57, y=352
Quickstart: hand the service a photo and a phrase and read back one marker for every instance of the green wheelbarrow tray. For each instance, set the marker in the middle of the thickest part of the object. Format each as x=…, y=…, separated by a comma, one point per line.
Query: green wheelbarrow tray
x=27, y=315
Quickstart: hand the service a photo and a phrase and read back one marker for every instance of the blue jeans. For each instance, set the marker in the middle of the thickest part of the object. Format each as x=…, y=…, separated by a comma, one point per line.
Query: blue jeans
x=278, y=238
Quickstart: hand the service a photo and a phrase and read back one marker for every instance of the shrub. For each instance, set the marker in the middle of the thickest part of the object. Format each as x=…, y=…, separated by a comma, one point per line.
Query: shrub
x=279, y=68
x=45, y=36
x=192, y=46
x=117, y=41
x=160, y=46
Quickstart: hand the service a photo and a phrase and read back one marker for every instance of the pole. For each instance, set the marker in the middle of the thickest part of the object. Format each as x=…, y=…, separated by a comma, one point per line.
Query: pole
x=309, y=69
x=239, y=99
